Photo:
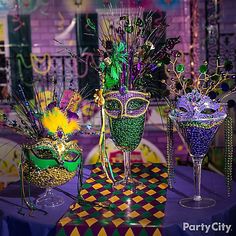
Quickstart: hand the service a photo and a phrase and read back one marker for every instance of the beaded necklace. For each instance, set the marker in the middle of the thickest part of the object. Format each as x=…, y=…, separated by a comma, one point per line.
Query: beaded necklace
x=34, y=59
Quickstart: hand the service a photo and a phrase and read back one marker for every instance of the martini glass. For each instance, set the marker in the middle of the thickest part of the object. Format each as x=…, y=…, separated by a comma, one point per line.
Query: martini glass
x=126, y=113
x=197, y=135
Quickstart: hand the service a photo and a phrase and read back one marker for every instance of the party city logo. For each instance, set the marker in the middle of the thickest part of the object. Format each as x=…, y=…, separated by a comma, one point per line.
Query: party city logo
x=206, y=228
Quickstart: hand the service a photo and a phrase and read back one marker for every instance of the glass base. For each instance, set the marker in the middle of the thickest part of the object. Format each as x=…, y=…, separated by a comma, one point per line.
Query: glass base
x=191, y=203
x=128, y=184
x=49, y=200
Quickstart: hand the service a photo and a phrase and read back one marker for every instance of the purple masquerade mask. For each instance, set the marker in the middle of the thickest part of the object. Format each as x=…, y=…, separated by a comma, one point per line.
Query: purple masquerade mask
x=131, y=104
x=197, y=106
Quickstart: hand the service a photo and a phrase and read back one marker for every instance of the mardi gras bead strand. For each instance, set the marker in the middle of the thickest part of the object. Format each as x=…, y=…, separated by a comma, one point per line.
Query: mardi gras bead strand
x=228, y=153
x=88, y=56
x=29, y=203
x=46, y=57
x=80, y=177
x=21, y=61
x=169, y=152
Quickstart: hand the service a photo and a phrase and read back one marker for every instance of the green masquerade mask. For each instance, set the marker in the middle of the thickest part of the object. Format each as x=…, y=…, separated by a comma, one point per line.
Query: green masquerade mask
x=48, y=153
x=126, y=114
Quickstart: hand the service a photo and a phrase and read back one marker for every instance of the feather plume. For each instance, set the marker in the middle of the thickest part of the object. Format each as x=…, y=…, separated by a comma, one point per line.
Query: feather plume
x=56, y=119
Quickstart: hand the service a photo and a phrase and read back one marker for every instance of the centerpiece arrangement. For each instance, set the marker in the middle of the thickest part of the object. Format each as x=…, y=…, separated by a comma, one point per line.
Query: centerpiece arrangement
x=50, y=156
x=132, y=47
x=197, y=113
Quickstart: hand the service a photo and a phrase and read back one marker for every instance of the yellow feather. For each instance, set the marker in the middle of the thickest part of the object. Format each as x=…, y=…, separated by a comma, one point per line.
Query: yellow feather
x=52, y=120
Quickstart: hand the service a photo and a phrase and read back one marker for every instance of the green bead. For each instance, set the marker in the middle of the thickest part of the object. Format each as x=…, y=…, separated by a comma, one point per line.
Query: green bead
x=126, y=132
x=159, y=64
x=180, y=68
x=129, y=29
x=203, y=69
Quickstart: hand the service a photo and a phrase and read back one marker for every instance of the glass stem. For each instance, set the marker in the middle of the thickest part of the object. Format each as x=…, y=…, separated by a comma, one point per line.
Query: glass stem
x=197, y=166
x=127, y=165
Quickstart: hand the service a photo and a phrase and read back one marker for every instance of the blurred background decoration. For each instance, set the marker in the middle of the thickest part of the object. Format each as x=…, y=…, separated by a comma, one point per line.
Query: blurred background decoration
x=9, y=162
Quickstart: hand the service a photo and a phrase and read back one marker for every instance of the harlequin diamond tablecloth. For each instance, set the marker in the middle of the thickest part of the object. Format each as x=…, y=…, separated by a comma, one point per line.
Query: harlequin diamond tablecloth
x=38, y=224
x=139, y=213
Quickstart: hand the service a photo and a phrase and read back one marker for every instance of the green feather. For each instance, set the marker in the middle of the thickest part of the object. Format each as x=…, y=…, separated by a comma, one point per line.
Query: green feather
x=110, y=82
x=114, y=72
x=119, y=68
x=122, y=59
x=102, y=66
x=121, y=47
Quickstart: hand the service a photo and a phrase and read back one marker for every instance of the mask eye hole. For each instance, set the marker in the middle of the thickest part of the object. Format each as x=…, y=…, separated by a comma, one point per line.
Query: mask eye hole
x=112, y=105
x=43, y=152
x=72, y=155
x=136, y=104
x=183, y=109
x=208, y=111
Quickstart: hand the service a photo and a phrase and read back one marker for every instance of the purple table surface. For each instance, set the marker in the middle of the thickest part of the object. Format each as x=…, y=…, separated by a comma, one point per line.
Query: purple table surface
x=213, y=185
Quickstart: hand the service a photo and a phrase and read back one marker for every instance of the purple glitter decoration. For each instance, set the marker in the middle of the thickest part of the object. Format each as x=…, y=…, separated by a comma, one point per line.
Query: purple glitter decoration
x=197, y=106
x=124, y=100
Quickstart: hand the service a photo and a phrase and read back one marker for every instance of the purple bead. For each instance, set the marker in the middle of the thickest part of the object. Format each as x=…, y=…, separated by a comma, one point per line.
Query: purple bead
x=59, y=134
x=123, y=89
x=153, y=67
x=139, y=66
